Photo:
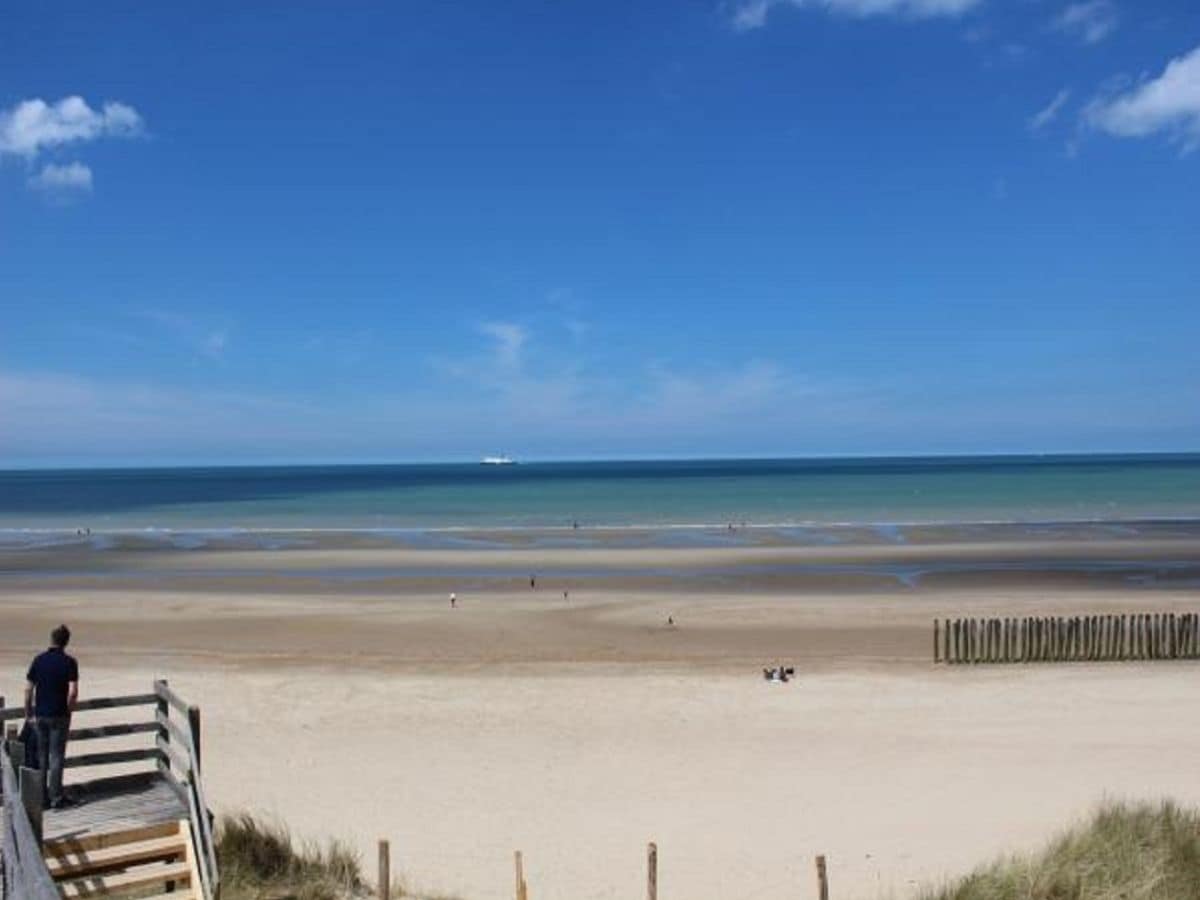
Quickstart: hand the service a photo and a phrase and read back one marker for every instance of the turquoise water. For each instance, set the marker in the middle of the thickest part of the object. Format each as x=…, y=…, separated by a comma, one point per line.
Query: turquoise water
x=659, y=493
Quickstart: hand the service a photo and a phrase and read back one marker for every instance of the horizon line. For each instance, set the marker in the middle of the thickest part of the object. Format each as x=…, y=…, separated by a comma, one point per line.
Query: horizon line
x=551, y=460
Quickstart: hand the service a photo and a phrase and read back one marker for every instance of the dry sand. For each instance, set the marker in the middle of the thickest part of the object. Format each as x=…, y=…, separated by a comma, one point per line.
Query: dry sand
x=579, y=730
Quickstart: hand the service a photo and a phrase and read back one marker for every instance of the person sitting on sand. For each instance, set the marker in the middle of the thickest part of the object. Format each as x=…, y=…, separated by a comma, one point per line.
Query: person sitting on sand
x=51, y=691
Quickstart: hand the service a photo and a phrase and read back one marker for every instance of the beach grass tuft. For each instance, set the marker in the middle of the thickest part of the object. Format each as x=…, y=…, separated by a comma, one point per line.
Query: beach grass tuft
x=260, y=860
x=1124, y=851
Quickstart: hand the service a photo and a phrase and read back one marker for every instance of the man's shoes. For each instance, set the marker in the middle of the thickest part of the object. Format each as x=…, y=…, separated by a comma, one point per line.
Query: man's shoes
x=64, y=802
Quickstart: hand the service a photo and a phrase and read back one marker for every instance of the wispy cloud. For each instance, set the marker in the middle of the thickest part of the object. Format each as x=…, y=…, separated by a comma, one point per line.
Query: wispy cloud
x=1090, y=21
x=62, y=180
x=508, y=341
x=750, y=14
x=53, y=412
x=1168, y=104
x=1050, y=111
x=202, y=337
x=33, y=126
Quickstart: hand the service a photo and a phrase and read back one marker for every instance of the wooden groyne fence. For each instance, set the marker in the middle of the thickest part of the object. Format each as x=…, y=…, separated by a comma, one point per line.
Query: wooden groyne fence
x=1032, y=639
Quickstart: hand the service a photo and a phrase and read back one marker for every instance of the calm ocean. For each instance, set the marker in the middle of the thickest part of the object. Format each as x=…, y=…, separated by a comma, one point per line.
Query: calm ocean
x=661, y=493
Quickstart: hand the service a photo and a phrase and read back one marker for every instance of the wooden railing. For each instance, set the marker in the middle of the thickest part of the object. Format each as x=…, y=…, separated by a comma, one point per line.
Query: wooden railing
x=175, y=726
x=25, y=872
x=179, y=762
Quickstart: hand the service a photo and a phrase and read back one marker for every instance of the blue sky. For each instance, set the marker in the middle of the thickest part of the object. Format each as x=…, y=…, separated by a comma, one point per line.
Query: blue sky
x=408, y=231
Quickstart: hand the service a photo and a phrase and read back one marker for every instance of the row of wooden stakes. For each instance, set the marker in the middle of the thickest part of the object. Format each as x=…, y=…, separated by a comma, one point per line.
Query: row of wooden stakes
x=522, y=888
x=1105, y=638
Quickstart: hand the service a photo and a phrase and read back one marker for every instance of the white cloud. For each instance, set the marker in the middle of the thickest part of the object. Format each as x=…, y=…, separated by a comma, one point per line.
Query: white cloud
x=750, y=14
x=1169, y=103
x=509, y=341
x=57, y=179
x=35, y=125
x=1090, y=21
x=1050, y=111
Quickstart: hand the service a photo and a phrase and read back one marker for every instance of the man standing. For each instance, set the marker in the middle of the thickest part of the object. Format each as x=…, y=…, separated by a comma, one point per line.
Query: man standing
x=51, y=689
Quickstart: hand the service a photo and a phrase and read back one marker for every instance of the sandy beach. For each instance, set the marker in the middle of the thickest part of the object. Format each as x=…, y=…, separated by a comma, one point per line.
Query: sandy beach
x=577, y=729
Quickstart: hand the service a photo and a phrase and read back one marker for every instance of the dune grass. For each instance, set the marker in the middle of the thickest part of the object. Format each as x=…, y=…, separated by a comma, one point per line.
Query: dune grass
x=259, y=860
x=1123, y=852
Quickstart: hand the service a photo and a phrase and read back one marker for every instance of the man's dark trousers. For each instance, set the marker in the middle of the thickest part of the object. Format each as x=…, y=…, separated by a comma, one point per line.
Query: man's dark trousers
x=52, y=747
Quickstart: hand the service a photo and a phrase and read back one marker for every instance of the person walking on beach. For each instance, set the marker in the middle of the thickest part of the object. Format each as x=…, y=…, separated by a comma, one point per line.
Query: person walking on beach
x=51, y=691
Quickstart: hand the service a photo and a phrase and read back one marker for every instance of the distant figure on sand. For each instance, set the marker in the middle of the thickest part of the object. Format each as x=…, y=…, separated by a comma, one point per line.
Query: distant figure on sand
x=670, y=621
x=453, y=600
x=566, y=595
x=51, y=691
x=532, y=582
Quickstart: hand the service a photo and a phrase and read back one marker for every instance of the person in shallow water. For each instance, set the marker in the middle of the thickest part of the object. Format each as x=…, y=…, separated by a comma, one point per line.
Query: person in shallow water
x=51, y=691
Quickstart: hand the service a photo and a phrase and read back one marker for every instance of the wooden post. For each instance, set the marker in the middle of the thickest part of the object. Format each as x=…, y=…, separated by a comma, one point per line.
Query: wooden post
x=936, y=645
x=822, y=879
x=33, y=798
x=652, y=871
x=385, y=869
x=521, y=888
x=194, y=726
x=164, y=709
x=946, y=642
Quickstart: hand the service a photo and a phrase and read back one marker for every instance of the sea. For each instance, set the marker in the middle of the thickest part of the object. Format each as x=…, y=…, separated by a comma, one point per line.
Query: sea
x=657, y=494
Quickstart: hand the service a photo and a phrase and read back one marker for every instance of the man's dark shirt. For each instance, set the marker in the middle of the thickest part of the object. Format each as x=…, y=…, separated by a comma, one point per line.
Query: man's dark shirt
x=50, y=673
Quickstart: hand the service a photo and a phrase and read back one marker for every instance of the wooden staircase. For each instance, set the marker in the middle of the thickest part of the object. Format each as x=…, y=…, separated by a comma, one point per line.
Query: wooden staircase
x=148, y=862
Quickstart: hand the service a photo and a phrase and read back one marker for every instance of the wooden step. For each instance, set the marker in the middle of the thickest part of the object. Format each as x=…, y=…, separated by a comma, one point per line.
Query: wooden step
x=65, y=864
x=108, y=885
x=87, y=843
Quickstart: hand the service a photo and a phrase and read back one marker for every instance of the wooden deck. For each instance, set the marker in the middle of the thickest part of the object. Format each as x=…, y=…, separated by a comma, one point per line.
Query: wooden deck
x=115, y=804
x=140, y=831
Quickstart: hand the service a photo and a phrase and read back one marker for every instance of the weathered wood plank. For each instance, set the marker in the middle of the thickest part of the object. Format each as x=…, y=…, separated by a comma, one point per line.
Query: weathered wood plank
x=163, y=692
x=177, y=756
x=109, y=731
x=112, y=757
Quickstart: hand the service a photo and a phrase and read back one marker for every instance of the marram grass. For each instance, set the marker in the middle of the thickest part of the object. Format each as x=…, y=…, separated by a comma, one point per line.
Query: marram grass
x=1123, y=852
x=259, y=860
